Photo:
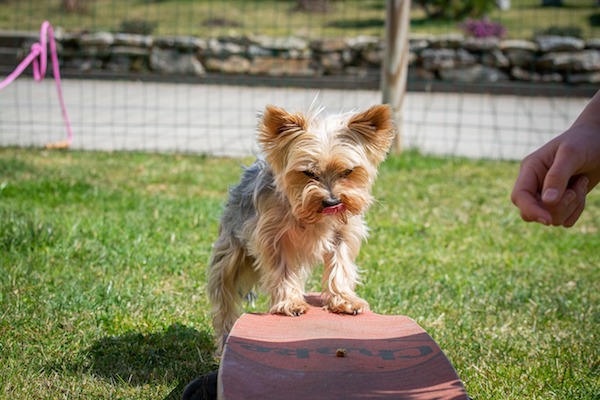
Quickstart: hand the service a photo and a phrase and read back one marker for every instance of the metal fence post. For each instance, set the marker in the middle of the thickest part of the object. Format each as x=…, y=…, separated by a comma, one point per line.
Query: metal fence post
x=395, y=61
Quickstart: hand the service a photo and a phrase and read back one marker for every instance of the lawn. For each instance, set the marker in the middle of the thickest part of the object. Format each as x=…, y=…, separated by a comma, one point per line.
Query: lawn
x=348, y=18
x=103, y=257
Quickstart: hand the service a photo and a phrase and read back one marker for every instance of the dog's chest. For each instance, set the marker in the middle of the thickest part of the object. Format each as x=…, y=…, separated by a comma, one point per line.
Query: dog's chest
x=312, y=242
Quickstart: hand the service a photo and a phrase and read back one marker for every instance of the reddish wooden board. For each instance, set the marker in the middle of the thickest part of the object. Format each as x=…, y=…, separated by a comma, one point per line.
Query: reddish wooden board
x=321, y=355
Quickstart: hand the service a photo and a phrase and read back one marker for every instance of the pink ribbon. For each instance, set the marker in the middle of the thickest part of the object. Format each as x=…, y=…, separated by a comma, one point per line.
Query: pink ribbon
x=38, y=56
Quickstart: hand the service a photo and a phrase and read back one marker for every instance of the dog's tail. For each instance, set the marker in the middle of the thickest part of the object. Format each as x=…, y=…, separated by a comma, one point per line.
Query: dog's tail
x=231, y=278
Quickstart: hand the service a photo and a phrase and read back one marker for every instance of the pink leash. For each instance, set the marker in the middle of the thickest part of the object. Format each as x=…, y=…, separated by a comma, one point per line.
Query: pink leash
x=39, y=50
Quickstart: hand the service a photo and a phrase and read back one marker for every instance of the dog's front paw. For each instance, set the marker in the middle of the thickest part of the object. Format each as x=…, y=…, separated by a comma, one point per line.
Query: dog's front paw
x=347, y=304
x=290, y=307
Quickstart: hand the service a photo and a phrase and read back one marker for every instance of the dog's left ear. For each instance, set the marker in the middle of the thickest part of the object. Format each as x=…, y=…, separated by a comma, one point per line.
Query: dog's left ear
x=374, y=129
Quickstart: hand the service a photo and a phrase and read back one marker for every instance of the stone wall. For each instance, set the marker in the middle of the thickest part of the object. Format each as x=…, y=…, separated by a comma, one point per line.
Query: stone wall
x=452, y=58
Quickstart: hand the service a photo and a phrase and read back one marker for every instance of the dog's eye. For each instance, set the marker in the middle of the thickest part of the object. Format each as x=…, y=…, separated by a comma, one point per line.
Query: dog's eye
x=346, y=173
x=310, y=175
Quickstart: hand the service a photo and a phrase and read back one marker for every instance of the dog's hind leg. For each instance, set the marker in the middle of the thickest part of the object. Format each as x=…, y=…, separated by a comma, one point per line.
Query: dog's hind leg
x=231, y=278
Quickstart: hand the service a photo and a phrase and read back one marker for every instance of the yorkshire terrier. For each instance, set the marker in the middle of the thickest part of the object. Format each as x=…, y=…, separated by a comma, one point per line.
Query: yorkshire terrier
x=301, y=204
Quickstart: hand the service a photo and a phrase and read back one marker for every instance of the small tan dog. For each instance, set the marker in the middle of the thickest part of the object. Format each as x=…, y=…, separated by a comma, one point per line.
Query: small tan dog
x=303, y=204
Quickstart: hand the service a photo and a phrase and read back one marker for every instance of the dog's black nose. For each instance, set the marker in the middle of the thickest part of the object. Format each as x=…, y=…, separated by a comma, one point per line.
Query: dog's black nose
x=331, y=202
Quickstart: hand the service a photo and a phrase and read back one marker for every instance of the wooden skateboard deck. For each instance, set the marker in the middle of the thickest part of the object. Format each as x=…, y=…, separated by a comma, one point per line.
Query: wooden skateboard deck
x=321, y=355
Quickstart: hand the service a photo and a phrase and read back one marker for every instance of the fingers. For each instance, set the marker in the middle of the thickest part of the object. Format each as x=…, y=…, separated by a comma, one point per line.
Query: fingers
x=570, y=221
x=564, y=208
x=564, y=166
x=564, y=211
x=567, y=210
x=525, y=193
x=580, y=189
x=531, y=208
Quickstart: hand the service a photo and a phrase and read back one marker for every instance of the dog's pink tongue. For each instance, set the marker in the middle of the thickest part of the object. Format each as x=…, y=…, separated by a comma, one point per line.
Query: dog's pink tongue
x=334, y=209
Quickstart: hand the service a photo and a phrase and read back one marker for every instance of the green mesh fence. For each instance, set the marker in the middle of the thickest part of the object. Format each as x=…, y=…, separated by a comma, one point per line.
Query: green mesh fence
x=191, y=76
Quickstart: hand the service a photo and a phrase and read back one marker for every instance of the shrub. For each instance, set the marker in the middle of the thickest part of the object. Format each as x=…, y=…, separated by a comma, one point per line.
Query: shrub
x=573, y=31
x=482, y=28
x=138, y=26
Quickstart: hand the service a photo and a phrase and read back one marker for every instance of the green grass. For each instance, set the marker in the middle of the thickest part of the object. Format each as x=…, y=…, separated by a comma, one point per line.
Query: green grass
x=103, y=257
x=348, y=18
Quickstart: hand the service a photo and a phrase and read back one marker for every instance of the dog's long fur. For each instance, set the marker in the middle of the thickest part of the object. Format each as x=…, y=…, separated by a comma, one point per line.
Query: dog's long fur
x=301, y=205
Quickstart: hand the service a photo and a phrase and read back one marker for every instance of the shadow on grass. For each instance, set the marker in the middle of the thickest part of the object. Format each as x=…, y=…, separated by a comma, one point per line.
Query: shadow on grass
x=176, y=355
x=358, y=23
x=433, y=23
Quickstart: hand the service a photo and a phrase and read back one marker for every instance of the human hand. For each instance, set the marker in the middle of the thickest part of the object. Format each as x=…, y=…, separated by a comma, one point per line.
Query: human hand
x=553, y=181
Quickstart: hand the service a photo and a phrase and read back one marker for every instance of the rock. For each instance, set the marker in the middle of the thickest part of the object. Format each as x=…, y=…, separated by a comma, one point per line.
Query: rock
x=139, y=64
x=495, y=58
x=329, y=45
x=419, y=41
x=593, y=44
x=131, y=40
x=287, y=47
x=222, y=49
x=424, y=74
x=172, y=62
x=130, y=51
x=553, y=43
x=361, y=72
x=213, y=64
x=589, y=77
x=96, y=44
x=450, y=41
x=26, y=47
x=332, y=63
x=255, y=50
x=68, y=39
x=373, y=56
x=520, y=57
x=119, y=64
x=364, y=51
x=233, y=65
x=412, y=59
x=520, y=53
x=480, y=44
x=363, y=42
x=474, y=73
x=15, y=39
x=83, y=64
x=438, y=59
x=281, y=44
x=274, y=66
x=99, y=38
x=582, y=61
x=464, y=58
x=521, y=74
x=518, y=44
x=243, y=41
x=184, y=43
x=294, y=53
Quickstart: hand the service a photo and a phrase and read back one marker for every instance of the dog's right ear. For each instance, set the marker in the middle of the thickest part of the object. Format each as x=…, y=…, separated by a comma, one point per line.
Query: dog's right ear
x=277, y=130
x=276, y=122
